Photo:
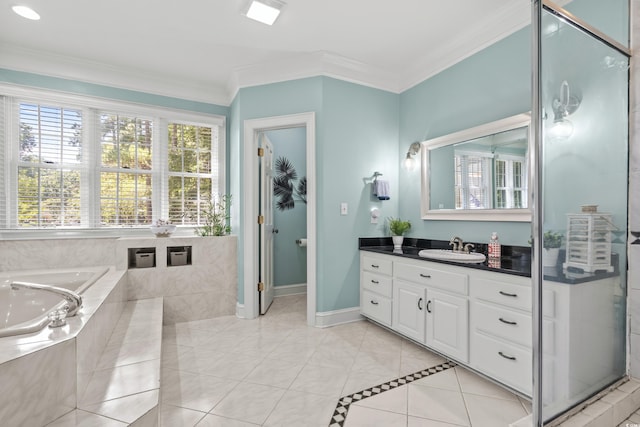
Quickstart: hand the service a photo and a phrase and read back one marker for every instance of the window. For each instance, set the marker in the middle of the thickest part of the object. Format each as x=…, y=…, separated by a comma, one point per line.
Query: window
x=510, y=181
x=74, y=162
x=472, y=181
x=190, y=170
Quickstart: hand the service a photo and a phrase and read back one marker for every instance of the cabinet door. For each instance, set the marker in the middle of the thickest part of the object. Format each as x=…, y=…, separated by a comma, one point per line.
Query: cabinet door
x=409, y=310
x=448, y=324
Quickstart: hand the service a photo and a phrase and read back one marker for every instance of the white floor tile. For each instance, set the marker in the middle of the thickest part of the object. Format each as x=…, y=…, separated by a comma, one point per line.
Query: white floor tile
x=302, y=409
x=491, y=412
x=252, y=403
x=360, y=416
x=472, y=383
x=172, y=416
x=446, y=380
x=79, y=418
x=394, y=400
x=437, y=404
x=194, y=391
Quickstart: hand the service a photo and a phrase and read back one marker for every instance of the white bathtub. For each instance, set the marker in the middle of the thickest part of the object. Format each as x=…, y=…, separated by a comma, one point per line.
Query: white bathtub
x=25, y=311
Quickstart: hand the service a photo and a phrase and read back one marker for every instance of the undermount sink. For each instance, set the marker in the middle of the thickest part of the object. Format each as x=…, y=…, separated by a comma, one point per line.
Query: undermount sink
x=447, y=255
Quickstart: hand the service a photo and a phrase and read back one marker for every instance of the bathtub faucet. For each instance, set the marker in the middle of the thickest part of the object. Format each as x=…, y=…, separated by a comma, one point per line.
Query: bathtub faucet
x=74, y=301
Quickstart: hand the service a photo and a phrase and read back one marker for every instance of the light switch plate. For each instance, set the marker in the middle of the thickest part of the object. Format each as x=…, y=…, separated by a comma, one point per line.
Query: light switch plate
x=344, y=208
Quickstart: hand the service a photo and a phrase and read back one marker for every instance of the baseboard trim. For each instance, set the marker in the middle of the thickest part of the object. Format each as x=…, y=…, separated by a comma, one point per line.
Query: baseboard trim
x=240, y=310
x=299, y=288
x=326, y=319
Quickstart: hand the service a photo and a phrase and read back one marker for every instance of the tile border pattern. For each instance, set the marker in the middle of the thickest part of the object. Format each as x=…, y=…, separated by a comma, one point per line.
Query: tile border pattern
x=342, y=408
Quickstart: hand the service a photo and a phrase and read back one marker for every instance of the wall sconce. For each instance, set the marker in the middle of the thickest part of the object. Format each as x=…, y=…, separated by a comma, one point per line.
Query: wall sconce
x=564, y=106
x=409, y=162
x=265, y=11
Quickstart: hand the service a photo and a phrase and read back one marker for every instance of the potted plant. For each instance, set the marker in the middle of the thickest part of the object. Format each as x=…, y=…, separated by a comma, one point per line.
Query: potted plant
x=214, y=217
x=398, y=227
x=551, y=243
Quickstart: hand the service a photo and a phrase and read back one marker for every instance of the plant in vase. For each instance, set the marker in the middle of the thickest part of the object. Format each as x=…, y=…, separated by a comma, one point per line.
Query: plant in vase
x=551, y=243
x=398, y=227
x=214, y=217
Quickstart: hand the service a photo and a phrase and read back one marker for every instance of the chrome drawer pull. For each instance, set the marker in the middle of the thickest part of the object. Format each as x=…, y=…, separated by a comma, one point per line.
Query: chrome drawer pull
x=508, y=322
x=506, y=294
x=426, y=276
x=375, y=266
x=375, y=282
x=506, y=356
x=374, y=302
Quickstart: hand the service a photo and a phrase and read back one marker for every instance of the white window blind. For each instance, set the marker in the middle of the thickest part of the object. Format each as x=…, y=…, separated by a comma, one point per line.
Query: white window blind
x=76, y=162
x=126, y=169
x=472, y=180
x=48, y=167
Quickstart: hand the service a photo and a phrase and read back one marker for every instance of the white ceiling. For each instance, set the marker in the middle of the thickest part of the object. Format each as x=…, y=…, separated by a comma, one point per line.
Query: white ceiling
x=205, y=50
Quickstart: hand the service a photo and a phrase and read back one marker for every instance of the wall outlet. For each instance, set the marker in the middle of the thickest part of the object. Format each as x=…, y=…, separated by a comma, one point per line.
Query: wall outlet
x=344, y=208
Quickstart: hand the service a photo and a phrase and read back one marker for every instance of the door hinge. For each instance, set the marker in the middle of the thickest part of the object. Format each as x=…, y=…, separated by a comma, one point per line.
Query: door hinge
x=260, y=219
x=260, y=152
x=260, y=286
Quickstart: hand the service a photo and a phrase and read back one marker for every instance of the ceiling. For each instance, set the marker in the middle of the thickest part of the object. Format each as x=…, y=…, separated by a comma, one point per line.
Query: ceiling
x=205, y=50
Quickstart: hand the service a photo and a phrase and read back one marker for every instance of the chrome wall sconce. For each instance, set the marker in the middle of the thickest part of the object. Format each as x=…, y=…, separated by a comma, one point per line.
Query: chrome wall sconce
x=409, y=163
x=563, y=106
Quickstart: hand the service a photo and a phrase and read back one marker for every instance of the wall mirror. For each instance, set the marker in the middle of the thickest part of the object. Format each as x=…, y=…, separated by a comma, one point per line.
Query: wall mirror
x=479, y=174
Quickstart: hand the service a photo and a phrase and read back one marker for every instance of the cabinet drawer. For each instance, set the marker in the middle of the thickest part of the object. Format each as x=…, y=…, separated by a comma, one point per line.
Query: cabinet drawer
x=433, y=277
x=377, y=265
x=376, y=307
x=508, y=364
x=509, y=294
x=502, y=322
x=377, y=283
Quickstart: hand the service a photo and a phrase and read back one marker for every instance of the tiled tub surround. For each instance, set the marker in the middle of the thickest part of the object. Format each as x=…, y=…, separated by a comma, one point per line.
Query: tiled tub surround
x=47, y=371
x=206, y=288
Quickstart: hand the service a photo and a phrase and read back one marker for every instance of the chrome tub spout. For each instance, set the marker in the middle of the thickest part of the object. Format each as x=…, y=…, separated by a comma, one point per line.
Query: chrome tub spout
x=74, y=300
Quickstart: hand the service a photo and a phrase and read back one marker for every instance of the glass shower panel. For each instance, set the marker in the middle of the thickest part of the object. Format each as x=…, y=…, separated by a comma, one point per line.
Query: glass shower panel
x=584, y=206
x=610, y=17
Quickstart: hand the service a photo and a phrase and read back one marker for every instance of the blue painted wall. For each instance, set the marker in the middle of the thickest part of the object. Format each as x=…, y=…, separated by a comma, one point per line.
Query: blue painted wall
x=492, y=84
x=289, y=259
x=356, y=134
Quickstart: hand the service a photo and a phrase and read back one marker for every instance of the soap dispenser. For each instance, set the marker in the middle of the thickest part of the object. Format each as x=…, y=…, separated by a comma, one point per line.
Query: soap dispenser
x=494, y=246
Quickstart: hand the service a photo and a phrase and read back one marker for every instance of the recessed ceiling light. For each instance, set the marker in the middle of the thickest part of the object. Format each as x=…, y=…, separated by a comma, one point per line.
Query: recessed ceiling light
x=265, y=11
x=26, y=12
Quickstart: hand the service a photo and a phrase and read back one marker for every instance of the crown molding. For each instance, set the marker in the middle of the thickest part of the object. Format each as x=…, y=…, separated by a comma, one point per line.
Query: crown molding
x=64, y=67
x=320, y=63
x=504, y=22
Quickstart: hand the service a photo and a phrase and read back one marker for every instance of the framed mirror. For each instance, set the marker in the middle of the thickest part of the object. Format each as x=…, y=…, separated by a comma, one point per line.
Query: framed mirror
x=479, y=174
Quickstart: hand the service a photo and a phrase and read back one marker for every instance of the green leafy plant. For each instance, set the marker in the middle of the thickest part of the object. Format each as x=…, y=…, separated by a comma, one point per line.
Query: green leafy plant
x=398, y=227
x=552, y=240
x=214, y=217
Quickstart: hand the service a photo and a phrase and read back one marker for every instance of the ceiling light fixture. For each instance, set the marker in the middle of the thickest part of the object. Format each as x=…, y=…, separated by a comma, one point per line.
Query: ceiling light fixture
x=265, y=11
x=26, y=12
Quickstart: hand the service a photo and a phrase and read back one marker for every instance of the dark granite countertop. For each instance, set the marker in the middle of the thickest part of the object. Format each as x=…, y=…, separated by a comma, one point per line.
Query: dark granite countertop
x=515, y=260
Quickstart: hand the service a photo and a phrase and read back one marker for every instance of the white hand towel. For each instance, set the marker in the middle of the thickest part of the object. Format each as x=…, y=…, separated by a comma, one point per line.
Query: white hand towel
x=381, y=189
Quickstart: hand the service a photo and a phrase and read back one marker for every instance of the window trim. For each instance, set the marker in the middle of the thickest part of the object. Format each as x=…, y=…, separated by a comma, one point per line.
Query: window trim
x=91, y=106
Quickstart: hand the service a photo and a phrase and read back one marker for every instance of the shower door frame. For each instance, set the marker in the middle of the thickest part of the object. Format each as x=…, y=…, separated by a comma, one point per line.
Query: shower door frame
x=537, y=275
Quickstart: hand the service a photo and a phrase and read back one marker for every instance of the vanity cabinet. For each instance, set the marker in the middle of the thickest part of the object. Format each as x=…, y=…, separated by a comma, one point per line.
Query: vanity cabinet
x=428, y=301
x=501, y=328
x=376, y=288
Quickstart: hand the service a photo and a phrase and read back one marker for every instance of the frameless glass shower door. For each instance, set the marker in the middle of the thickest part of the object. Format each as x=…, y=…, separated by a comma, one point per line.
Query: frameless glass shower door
x=581, y=213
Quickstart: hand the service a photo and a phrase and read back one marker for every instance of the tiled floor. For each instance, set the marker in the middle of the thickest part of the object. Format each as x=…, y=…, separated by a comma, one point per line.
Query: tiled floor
x=276, y=371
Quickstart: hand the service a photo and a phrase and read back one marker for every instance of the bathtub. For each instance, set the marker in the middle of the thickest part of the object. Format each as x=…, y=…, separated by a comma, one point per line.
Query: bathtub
x=26, y=311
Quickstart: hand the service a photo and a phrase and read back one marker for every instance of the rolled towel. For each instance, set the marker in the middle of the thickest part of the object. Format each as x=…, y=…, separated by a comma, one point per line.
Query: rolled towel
x=381, y=189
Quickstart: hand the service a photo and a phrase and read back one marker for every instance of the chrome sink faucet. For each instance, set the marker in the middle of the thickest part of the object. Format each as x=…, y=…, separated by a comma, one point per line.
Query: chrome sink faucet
x=457, y=244
x=74, y=301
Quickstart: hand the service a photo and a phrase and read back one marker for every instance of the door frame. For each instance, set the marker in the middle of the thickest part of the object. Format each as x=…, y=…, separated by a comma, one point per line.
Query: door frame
x=250, y=201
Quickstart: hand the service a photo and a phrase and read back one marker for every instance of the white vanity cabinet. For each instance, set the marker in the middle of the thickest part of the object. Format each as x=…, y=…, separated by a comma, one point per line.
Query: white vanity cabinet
x=501, y=328
x=376, y=287
x=429, y=302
